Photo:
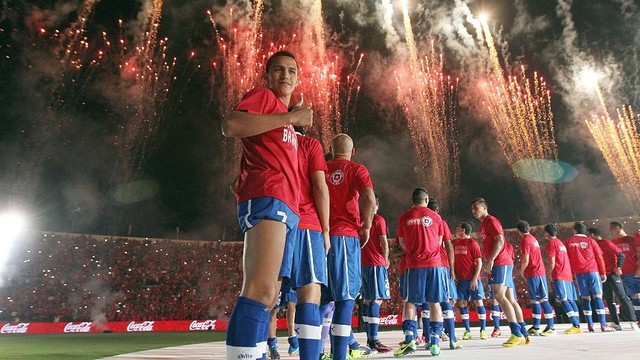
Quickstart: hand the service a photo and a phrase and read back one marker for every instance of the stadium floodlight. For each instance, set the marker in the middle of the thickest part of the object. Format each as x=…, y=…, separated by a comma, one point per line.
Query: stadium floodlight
x=11, y=225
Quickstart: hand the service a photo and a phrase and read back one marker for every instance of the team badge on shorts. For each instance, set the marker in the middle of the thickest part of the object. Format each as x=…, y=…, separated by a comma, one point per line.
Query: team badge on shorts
x=337, y=177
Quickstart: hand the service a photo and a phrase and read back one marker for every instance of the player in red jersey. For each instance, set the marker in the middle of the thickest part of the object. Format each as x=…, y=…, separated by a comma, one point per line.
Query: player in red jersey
x=499, y=264
x=267, y=193
x=375, y=280
x=587, y=262
x=562, y=277
x=348, y=181
x=613, y=287
x=532, y=269
x=468, y=266
x=630, y=246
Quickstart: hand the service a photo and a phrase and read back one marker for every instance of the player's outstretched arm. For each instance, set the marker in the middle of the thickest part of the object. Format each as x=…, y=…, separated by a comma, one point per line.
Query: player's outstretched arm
x=241, y=124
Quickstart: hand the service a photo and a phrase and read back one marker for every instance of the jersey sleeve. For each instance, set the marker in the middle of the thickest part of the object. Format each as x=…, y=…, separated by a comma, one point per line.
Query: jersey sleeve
x=552, y=249
x=362, y=178
x=494, y=226
x=446, y=232
x=525, y=246
x=317, y=161
x=258, y=101
x=474, y=249
x=381, y=225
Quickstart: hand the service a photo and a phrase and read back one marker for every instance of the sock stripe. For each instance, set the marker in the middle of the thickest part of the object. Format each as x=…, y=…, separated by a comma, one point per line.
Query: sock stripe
x=374, y=320
x=311, y=332
x=242, y=352
x=341, y=330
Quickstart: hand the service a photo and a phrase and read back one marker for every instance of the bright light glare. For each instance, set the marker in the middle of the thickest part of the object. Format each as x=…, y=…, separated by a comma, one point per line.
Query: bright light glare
x=11, y=224
x=483, y=17
x=589, y=78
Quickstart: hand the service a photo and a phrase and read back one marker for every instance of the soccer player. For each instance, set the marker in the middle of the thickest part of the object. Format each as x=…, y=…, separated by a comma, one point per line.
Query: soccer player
x=348, y=181
x=267, y=194
x=499, y=263
x=532, y=269
x=375, y=280
x=586, y=262
x=468, y=265
x=614, y=259
x=562, y=277
x=420, y=234
x=631, y=267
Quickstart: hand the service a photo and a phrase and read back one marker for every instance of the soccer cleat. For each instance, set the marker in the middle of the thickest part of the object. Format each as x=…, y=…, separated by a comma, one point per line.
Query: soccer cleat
x=527, y=340
x=454, y=345
x=420, y=340
x=533, y=331
x=590, y=328
x=362, y=352
x=273, y=353
x=466, y=335
x=573, y=330
x=483, y=335
x=495, y=333
x=634, y=326
x=444, y=337
x=405, y=349
x=379, y=347
x=434, y=350
x=548, y=332
x=294, y=351
x=514, y=341
x=607, y=328
x=324, y=356
x=618, y=327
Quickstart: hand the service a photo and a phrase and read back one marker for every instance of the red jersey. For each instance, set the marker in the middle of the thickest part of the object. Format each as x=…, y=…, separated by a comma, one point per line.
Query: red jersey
x=530, y=245
x=466, y=252
x=488, y=231
x=421, y=229
x=269, y=162
x=585, y=255
x=609, y=254
x=345, y=179
x=629, y=247
x=372, y=251
x=310, y=159
x=562, y=270
x=446, y=237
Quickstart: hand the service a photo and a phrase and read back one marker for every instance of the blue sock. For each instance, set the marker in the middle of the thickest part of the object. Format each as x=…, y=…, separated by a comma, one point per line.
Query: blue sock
x=366, y=317
x=568, y=309
x=293, y=342
x=464, y=314
x=264, y=333
x=353, y=344
x=341, y=328
x=425, y=316
x=495, y=314
x=536, y=311
x=586, y=308
x=271, y=342
x=548, y=314
x=449, y=320
x=408, y=329
x=482, y=316
x=602, y=316
x=244, y=330
x=436, y=330
x=523, y=328
x=374, y=311
x=515, y=329
x=308, y=325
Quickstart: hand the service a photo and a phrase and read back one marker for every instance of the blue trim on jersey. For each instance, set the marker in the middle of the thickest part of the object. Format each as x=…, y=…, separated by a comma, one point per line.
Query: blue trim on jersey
x=565, y=290
x=375, y=283
x=343, y=265
x=305, y=258
x=427, y=285
x=250, y=213
x=465, y=293
x=502, y=275
x=589, y=284
x=631, y=284
x=538, y=289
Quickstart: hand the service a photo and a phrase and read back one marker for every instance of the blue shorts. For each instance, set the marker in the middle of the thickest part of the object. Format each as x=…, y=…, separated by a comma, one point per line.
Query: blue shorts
x=343, y=265
x=402, y=287
x=502, y=275
x=565, y=290
x=538, y=289
x=589, y=284
x=465, y=293
x=427, y=285
x=304, y=261
x=451, y=286
x=375, y=283
x=287, y=294
x=250, y=213
x=631, y=284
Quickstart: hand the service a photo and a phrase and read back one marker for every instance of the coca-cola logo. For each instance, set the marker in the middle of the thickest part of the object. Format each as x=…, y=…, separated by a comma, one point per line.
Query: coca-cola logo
x=202, y=325
x=143, y=326
x=20, y=328
x=83, y=327
x=389, y=320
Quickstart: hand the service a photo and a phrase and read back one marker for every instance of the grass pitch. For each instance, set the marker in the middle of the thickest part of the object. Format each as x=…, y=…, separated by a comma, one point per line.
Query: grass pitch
x=95, y=346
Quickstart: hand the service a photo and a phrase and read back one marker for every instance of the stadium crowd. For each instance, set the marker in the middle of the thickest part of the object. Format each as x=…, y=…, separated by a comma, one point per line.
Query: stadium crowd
x=71, y=277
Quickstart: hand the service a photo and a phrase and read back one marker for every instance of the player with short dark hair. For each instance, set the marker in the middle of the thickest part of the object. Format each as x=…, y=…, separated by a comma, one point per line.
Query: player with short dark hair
x=532, y=269
x=630, y=246
x=499, y=264
x=468, y=266
x=267, y=193
x=348, y=181
x=587, y=262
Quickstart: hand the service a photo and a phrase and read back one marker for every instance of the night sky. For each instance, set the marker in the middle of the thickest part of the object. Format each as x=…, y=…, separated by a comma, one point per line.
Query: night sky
x=71, y=140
